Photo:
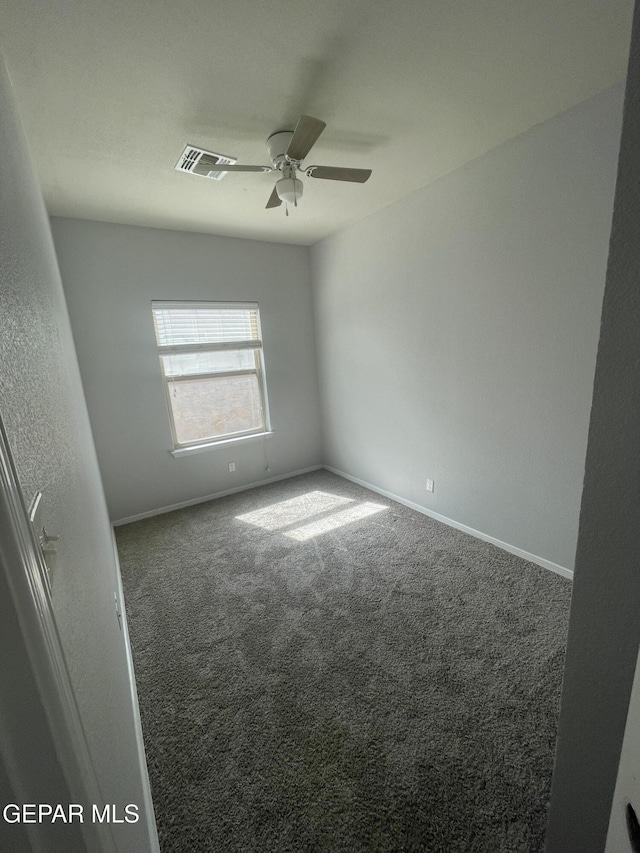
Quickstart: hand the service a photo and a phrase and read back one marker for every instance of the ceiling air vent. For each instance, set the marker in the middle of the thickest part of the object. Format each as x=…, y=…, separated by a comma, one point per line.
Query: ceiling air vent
x=192, y=157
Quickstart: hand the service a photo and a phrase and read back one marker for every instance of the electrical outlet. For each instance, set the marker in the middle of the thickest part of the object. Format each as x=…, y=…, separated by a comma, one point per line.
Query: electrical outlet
x=232, y=466
x=429, y=485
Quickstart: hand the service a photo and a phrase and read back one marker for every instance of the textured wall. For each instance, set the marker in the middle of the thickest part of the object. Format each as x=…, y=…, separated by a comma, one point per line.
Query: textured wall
x=604, y=628
x=44, y=413
x=111, y=273
x=457, y=333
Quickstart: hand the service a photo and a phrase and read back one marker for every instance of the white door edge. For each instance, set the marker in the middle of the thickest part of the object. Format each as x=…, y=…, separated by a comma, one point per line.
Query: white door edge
x=22, y=565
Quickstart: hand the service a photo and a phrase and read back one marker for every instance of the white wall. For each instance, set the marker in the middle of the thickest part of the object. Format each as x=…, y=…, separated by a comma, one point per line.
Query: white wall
x=44, y=412
x=457, y=333
x=111, y=273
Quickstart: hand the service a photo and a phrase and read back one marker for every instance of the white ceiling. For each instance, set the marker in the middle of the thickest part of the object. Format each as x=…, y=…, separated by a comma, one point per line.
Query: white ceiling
x=110, y=92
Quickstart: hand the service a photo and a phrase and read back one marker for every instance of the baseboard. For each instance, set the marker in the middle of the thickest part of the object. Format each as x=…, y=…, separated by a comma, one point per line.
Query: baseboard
x=512, y=549
x=183, y=504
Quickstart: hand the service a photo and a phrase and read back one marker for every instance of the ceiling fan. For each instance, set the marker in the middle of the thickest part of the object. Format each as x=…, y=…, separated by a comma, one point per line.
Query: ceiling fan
x=287, y=149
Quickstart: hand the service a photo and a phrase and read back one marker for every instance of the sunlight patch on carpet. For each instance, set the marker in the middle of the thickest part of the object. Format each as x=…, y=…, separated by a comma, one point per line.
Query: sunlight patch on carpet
x=332, y=522
x=285, y=513
x=322, y=507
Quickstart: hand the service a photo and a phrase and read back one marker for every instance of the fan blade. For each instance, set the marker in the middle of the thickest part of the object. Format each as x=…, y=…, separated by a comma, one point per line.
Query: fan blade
x=274, y=199
x=334, y=173
x=308, y=129
x=204, y=166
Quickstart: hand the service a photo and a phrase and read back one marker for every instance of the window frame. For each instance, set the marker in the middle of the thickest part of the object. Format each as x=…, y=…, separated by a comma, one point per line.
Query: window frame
x=254, y=345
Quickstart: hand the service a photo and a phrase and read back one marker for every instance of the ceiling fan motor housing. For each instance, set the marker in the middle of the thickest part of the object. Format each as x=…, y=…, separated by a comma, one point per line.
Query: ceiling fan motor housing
x=277, y=145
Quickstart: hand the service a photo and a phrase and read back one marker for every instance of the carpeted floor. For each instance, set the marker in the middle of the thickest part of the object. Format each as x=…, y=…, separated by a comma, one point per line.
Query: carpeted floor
x=321, y=669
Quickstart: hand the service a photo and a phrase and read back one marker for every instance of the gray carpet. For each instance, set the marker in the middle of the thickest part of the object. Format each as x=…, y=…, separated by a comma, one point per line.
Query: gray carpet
x=332, y=671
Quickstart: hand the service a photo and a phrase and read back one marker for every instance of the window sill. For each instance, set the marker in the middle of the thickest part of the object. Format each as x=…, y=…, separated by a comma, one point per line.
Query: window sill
x=217, y=445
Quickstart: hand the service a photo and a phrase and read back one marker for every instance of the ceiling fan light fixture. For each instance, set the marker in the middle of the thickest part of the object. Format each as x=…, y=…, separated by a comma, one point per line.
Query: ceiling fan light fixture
x=289, y=190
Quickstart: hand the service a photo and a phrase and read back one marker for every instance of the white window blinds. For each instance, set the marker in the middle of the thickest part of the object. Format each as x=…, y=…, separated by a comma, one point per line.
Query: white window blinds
x=189, y=325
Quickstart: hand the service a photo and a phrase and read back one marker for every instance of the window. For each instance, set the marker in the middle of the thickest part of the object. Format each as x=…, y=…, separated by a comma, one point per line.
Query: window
x=213, y=370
